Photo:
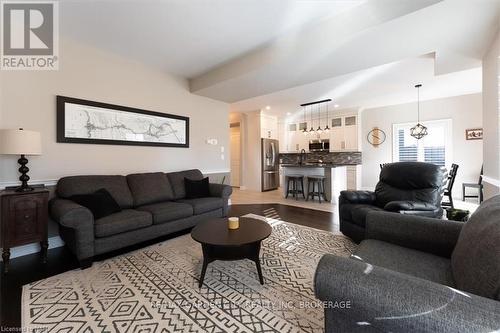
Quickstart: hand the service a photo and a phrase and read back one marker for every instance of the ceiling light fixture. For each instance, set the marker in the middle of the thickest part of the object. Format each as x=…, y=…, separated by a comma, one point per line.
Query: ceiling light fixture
x=268, y=107
x=311, y=131
x=304, y=129
x=336, y=106
x=327, y=129
x=418, y=131
x=319, y=130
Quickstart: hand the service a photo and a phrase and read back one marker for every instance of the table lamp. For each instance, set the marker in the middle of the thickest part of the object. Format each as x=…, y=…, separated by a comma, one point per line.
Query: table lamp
x=21, y=142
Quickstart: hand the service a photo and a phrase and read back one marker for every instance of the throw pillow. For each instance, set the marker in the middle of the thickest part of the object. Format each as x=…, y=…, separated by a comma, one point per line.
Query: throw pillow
x=197, y=188
x=100, y=203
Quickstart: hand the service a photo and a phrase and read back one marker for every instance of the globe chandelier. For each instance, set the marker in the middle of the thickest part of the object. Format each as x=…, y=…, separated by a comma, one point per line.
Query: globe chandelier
x=418, y=131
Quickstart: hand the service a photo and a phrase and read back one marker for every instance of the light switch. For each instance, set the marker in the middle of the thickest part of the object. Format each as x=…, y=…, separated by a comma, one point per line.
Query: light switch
x=212, y=142
x=222, y=149
x=222, y=157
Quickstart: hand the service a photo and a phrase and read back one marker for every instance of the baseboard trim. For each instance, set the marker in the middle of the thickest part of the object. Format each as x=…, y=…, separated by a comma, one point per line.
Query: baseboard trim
x=24, y=250
x=492, y=181
x=215, y=172
x=46, y=182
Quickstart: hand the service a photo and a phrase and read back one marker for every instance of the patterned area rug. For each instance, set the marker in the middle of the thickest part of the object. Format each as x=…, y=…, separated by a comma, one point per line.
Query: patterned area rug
x=155, y=289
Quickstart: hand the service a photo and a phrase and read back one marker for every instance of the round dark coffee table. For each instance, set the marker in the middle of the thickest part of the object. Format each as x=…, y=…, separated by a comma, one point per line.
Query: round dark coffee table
x=218, y=242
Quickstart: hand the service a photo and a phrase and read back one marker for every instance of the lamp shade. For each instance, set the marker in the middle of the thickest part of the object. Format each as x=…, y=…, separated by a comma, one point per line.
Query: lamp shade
x=20, y=142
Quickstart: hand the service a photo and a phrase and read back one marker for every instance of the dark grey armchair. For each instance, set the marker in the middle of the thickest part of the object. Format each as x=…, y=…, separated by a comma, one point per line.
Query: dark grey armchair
x=417, y=274
x=413, y=188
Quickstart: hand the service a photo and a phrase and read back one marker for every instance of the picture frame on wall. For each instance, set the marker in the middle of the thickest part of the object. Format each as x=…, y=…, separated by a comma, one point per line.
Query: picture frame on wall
x=474, y=134
x=84, y=121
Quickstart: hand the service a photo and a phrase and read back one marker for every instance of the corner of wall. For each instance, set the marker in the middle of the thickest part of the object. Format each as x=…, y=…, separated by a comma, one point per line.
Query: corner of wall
x=491, y=118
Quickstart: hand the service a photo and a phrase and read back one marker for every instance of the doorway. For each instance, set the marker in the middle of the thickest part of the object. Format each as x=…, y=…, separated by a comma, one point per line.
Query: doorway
x=235, y=150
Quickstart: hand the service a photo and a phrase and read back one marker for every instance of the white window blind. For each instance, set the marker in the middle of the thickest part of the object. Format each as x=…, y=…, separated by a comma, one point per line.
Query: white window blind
x=435, y=147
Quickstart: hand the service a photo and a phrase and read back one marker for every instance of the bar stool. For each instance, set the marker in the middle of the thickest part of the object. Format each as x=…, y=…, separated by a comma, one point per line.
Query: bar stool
x=295, y=180
x=319, y=182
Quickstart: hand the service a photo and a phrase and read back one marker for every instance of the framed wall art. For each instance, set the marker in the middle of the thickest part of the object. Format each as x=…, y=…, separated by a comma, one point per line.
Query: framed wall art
x=83, y=121
x=474, y=134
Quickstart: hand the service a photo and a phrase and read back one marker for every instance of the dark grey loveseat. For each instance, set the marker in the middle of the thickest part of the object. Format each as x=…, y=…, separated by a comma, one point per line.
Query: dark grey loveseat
x=416, y=274
x=153, y=205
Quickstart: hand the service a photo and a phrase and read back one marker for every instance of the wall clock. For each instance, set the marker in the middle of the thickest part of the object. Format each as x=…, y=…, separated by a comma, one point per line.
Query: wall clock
x=376, y=137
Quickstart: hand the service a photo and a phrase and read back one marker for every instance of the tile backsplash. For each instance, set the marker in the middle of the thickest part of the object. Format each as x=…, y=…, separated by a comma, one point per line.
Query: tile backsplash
x=340, y=158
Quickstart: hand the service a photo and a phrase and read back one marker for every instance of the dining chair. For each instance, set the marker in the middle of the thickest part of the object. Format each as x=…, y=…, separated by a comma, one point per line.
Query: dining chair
x=449, y=186
x=478, y=186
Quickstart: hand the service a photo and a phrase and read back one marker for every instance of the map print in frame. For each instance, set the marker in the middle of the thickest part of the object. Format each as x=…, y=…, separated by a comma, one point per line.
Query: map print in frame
x=82, y=121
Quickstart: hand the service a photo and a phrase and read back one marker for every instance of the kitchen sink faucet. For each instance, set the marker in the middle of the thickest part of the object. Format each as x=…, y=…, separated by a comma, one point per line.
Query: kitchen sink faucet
x=302, y=156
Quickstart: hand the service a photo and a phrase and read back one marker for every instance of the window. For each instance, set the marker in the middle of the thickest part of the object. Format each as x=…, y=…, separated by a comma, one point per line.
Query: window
x=435, y=147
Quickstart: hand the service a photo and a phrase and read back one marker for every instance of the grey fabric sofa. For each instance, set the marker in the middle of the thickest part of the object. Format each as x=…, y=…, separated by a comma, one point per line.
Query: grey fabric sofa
x=417, y=274
x=153, y=205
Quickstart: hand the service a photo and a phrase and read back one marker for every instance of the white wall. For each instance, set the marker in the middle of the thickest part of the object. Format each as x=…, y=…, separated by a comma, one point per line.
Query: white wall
x=236, y=148
x=27, y=99
x=251, y=151
x=465, y=112
x=491, y=116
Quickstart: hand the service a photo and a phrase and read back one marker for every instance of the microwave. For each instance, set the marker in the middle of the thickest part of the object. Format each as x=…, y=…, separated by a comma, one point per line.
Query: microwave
x=319, y=145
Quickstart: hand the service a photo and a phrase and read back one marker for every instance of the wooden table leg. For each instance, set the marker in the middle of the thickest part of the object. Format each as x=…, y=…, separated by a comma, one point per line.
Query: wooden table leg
x=203, y=271
x=212, y=253
x=6, y=259
x=206, y=260
x=256, y=259
x=259, y=270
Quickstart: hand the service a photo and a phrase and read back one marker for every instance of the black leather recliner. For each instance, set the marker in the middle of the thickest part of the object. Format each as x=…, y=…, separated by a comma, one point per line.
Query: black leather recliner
x=406, y=187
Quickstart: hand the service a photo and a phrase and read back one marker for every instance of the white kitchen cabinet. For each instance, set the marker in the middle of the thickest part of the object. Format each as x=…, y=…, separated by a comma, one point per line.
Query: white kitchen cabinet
x=344, y=133
x=303, y=141
x=295, y=140
x=351, y=133
x=352, y=177
x=268, y=127
x=290, y=138
x=282, y=137
x=286, y=137
x=337, y=139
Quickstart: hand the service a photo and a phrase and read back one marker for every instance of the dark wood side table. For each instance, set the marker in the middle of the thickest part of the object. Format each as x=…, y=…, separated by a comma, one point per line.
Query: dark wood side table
x=220, y=243
x=23, y=219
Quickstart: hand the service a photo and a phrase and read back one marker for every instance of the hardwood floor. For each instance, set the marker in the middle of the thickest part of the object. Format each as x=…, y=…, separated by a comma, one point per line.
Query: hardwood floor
x=303, y=216
x=29, y=268
x=276, y=196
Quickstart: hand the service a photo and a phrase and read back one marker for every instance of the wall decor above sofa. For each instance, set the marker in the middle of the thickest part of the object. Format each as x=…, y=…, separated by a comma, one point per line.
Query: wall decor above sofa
x=83, y=121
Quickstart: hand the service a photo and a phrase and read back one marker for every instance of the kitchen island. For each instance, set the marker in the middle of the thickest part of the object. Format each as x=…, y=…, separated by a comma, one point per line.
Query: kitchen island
x=335, y=177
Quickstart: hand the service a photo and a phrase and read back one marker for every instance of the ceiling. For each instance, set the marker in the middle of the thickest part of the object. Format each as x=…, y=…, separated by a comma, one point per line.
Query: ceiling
x=189, y=37
x=372, y=34
x=252, y=53
x=377, y=86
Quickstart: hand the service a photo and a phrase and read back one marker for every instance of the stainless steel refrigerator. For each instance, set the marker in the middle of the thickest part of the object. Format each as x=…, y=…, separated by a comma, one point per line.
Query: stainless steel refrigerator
x=270, y=164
